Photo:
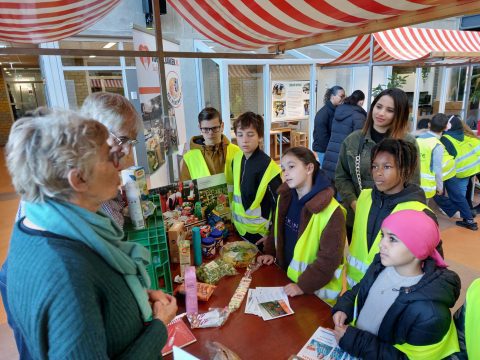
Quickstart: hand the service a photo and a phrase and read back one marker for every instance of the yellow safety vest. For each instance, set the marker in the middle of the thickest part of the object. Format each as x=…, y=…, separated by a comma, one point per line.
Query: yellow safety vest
x=445, y=347
x=251, y=220
x=197, y=166
x=467, y=161
x=472, y=320
x=360, y=258
x=427, y=177
x=306, y=250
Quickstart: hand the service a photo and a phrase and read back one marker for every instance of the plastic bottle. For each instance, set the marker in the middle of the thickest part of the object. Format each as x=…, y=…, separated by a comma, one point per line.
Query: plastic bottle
x=134, y=205
x=197, y=246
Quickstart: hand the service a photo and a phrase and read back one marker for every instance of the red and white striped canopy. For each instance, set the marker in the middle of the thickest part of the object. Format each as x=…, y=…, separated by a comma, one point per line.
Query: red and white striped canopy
x=38, y=21
x=412, y=44
x=248, y=24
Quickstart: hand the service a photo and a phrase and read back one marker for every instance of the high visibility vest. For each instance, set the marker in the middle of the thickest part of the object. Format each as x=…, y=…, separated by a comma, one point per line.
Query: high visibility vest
x=467, y=161
x=251, y=220
x=198, y=168
x=360, y=258
x=445, y=347
x=427, y=177
x=472, y=320
x=306, y=250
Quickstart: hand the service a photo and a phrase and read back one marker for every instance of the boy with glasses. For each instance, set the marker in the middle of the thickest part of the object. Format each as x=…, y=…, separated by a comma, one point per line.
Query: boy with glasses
x=210, y=153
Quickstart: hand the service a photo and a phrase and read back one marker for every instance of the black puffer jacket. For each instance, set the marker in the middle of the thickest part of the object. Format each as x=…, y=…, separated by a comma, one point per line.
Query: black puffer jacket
x=322, y=127
x=346, y=120
x=419, y=316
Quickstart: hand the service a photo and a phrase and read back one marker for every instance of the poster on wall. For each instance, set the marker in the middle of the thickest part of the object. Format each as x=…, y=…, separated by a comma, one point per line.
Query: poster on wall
x=290, y=99
x=162, y=133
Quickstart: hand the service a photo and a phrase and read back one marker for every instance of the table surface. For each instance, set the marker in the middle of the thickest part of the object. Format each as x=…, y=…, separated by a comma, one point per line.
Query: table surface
x=249, y=335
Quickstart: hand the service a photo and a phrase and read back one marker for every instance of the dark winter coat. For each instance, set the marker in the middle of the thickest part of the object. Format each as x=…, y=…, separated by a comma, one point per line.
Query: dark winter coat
x=322, y=127
x=347, y=119
x=419, y=316
x=332, y=241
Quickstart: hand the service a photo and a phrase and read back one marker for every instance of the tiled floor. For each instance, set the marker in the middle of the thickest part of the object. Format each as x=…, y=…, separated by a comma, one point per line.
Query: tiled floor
x=461, y=249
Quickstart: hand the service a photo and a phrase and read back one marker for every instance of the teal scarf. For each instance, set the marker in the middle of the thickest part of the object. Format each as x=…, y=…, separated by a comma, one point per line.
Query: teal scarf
x=102, y=235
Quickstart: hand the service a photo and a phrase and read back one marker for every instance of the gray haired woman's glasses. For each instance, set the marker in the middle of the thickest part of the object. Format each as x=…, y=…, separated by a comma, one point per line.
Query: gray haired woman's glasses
x=123, y=140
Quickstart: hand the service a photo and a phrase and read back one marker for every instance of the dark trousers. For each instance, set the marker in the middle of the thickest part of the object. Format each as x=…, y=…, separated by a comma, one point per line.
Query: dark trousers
x=21, y=345
x=456, y=201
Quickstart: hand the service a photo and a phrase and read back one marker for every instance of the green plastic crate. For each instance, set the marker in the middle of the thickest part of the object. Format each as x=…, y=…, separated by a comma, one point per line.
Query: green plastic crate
x=154, y=239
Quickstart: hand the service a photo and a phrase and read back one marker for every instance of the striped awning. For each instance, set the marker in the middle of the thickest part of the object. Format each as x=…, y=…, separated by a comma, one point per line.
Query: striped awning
x=248, y=24
x=413, y=45
x=109, y=83
x=38, y=21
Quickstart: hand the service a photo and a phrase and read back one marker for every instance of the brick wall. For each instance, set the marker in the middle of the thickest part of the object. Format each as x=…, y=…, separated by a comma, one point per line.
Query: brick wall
x=81, y=85
x=6, y=116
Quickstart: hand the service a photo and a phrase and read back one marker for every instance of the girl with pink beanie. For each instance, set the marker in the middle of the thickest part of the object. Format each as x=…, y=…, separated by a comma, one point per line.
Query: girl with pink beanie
x=401, y=307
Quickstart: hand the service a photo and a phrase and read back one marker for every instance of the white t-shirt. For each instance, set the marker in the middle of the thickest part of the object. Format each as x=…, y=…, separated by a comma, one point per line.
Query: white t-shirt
x=381, y=296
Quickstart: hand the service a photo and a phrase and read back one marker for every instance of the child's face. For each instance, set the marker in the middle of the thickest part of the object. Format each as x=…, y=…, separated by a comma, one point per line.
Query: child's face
x=247, y=139
x=211, y=130
x=296, y=172
x=386, y=174
x=393, y=251
x=383, y=113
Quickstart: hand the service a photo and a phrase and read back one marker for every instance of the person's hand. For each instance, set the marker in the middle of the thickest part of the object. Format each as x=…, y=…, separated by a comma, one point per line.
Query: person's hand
x=165, y=312
x=353, y=205
x=158, y=295
x=265, y=259
x=293, y=290
x=261, y=241
x=439, y=191
x=339, y=331
x=339, y=318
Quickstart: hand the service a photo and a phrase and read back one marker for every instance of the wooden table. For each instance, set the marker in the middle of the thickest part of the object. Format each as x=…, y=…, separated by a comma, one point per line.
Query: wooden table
x=249, y=335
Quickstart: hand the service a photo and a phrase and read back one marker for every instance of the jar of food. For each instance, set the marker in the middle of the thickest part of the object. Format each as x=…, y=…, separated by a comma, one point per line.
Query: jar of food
x=208, y=247
x=218, y=236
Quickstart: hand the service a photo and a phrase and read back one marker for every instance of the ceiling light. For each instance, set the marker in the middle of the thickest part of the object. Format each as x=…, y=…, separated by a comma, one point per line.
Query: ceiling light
x=92, y=56
x=109, y=45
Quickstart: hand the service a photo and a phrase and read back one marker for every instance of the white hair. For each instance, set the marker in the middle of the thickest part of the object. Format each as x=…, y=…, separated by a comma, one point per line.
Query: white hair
x=42, y=149
x=112, y=110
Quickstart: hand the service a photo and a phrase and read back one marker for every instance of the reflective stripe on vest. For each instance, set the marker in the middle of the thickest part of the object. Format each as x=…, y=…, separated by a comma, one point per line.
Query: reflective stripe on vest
x=427, y=175
x=467, y=162
x=306, y=249
x=472, y=320
x=445, y=347
x=360, y=257
x=198, y=168
x=251, y=220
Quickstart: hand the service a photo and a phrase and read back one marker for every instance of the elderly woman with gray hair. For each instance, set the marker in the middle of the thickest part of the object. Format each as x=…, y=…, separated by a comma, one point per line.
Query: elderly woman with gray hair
x=75, y=289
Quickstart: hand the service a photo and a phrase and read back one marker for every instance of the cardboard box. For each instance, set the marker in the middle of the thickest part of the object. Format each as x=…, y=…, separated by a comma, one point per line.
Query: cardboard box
x=137, y=175
x=176, y=232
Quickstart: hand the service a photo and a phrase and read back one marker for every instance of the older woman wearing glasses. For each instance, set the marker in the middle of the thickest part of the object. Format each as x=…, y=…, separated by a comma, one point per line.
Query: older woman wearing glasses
x=75, y=289
x=122, y=121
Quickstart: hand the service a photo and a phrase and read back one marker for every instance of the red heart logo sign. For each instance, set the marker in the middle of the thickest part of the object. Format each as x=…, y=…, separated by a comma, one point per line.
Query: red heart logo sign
x=143, y=59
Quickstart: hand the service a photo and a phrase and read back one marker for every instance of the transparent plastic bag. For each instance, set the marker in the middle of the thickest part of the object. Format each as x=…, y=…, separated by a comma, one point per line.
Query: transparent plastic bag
x=217, y=351
x=239, y=253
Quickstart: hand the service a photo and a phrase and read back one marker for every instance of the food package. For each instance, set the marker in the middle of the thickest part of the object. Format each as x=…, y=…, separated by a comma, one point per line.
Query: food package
x=184, y=254
x=215, y=317
x=213, y=271
x=239, y=253
x=204, y=291
x=176, y=232
x=137, y=175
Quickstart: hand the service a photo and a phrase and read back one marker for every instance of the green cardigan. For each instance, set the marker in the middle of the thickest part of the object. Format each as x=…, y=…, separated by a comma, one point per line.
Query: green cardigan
x=69, y=303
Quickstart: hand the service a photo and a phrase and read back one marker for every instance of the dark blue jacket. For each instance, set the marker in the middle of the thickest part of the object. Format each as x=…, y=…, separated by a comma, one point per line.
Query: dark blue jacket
x=347, y=119
x=457, y=135
x=323, y=127
x=419, y=316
